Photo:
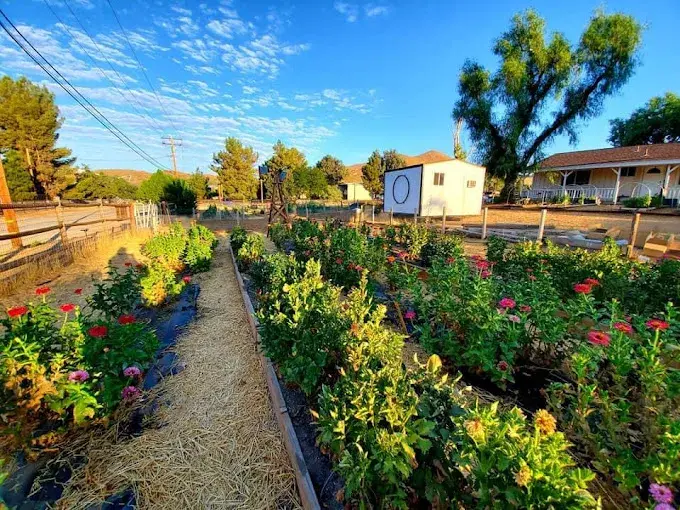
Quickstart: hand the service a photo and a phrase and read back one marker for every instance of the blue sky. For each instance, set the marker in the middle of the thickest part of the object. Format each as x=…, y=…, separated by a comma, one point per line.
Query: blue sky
x=338, y=77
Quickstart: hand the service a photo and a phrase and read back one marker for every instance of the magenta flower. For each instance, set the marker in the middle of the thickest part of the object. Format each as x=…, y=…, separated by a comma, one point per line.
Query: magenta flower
x=506, y=303
x=410, y=315
x=130, y=393
x=132, y=372
x=661, y=493
x=664, y=506
x=514, y=318
x=78, y=376
x=485, y=273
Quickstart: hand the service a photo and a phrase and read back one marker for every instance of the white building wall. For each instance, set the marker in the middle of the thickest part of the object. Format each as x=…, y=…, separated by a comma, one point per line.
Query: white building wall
x=454, y=194
x=402, y=190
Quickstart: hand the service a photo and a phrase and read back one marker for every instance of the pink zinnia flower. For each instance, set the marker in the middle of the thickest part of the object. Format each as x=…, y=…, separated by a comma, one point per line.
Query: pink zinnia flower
x=338, y=261
x=98, y=331
x=78, y=292
x=67, y=307
x=507, y=303
x=502, y=365
x=402, y=255
x=664, y=506
x=359, y=268
x=186, y=279
x=78, y=376
x=661, y=493
x=410, y=315
x=485, y=273
x=126, y=319
x=623, y=327
x=17, y=311
x=657, y=324
x=514, y=318
x=132, y=372
x=599, y=338
x=524, y=308
x=41, y=291
x=130, y=393
x=530, y=270
x=482, y=264
x=583, y=288
x=532, y=278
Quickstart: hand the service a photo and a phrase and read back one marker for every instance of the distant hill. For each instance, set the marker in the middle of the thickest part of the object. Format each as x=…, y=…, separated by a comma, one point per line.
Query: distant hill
x=136, y=177
x=354, y=171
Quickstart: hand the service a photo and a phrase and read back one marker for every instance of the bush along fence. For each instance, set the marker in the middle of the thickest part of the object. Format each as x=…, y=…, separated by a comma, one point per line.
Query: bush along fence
x=587, y=344
x=65, y=369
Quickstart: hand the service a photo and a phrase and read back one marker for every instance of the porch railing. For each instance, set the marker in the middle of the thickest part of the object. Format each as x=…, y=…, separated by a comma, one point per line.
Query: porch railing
x=586, y=191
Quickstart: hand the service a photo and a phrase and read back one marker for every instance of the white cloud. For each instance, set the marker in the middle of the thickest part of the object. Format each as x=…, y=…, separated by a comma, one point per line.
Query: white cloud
x=180, y=10
x=247, y=89
x=375, y=10
x=227, y=28
x=350, y=11
x=196, y=49
x=261, y=55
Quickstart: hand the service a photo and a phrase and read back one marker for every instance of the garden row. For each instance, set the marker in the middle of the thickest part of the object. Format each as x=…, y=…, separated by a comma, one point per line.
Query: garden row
x=63, y=368
x=596, y=333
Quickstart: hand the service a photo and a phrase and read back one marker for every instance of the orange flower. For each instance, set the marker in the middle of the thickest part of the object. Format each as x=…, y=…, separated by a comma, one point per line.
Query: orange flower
x=545, y=422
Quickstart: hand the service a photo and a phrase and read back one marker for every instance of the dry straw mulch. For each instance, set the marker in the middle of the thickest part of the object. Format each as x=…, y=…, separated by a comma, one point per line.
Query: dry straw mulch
x=216, y=443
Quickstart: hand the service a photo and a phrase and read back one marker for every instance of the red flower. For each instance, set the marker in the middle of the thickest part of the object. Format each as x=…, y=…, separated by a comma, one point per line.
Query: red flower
x=485, y=273
x=524, y=308
x=410, y=315
x=507, y=303
x=128, y=264
x=402, y=255
x=338, y=261
x=502, y=365
x=126, y=319
x=351, y=265
x=139, y=266
x=17, y=311
x=599, y=338
x=592, y=282
x=482, y=264
x=657, y=324
x=532, y=278
x=98, y=331
x=186, y=279
x=41, y=291
x=583, y=288
x=391, y=259
x=78, y=292
x=67, y=307
x=359, y=268
x=450, y=260
x=623, y=327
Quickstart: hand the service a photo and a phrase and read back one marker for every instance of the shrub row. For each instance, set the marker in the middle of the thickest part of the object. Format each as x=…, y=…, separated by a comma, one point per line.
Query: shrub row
x=400, y=437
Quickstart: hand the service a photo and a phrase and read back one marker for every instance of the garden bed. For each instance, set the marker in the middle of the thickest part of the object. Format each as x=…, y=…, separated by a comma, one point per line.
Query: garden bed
x=539, y=326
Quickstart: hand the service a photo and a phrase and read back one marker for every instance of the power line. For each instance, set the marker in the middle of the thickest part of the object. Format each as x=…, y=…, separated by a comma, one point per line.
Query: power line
x=138, y=150
x=132, y=95
x=141, y=67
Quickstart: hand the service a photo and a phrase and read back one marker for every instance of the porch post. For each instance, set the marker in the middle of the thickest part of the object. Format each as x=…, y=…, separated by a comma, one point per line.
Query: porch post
x=521, y=185
x=564, y=180
x=667, y=179
x=617, y=171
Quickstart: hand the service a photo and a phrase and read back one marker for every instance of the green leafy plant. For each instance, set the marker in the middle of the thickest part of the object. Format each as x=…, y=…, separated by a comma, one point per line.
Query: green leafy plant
x=168, y=248
x=118, y=294
x=638, y=202
x=251, y=250
x=159, y=284
x=237, y=237
x=441, y=246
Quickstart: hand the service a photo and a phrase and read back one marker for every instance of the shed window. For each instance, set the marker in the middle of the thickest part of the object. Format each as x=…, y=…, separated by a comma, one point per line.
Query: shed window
x=472, y=184
x=654, y=171
x=629, y=171
x=438, y=179
x=578, y=178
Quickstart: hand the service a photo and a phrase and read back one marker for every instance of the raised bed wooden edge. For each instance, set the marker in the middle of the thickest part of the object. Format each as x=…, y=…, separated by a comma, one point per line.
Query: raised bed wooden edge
x=304, y=481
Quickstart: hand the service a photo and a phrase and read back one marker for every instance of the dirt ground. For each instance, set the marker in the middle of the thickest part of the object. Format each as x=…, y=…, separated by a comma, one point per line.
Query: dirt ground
x=81, y=274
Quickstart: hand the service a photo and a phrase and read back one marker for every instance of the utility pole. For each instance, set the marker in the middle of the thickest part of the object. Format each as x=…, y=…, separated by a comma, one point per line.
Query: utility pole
x=10, y=215
x=172, y=142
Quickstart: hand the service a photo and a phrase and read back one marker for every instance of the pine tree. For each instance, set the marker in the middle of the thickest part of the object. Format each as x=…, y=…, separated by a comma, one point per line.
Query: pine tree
x=198, y=183
x=29, y=121
x=372, y=174
x=333, y=169
x=235, y=168
x=18, y=179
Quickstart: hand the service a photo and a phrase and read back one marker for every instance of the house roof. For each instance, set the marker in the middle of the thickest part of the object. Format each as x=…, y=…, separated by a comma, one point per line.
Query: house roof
x=354, y=171
x=636, y=155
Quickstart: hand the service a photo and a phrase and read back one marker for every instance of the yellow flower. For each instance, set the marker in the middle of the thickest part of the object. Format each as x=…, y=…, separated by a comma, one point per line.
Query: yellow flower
x=475, y=429
x=545, y=422
x=523, y=476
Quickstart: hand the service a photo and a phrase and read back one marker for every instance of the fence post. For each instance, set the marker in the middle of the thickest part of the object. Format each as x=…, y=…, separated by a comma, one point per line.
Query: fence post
x=307, y=210
x=373, y=213
x=131, y=216
x=415, y=216
x=391, y=215
x=633, y=235
x=60, y=221
x=444, y=220
x=101, y=210
x=485, y=216
x=541, y=225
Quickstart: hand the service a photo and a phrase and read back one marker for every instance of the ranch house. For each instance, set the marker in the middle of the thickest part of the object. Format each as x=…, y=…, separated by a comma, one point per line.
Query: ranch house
x=610, y=174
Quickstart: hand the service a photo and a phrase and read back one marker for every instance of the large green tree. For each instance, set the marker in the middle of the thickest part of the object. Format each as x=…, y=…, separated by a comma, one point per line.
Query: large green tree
x=656, y=122
x=93, y=185
x=198, y=184
x=333, y=169
x=542, y=88
x=372, y=174
x=373, y=171
x=153, y=189
x=284, y=159
x=235, y=168
x=29, y=121
x=310, y=182
x=19, y=181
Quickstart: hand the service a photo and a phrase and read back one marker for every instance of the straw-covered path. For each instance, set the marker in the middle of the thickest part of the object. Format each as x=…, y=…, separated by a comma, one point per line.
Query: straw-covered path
x=216, y=444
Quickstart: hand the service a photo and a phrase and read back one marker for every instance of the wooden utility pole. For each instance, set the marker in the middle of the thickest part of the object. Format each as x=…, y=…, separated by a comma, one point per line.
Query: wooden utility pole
x=633, y=235
x=173, y=142
x=10, y=215
x=541, y=225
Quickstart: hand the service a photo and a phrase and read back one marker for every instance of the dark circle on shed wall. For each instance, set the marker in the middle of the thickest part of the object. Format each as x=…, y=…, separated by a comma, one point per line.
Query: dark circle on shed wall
x=408, y=189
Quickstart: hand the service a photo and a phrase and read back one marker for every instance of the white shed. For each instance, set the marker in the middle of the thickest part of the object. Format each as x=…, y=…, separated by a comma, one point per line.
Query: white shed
x=431, y=187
